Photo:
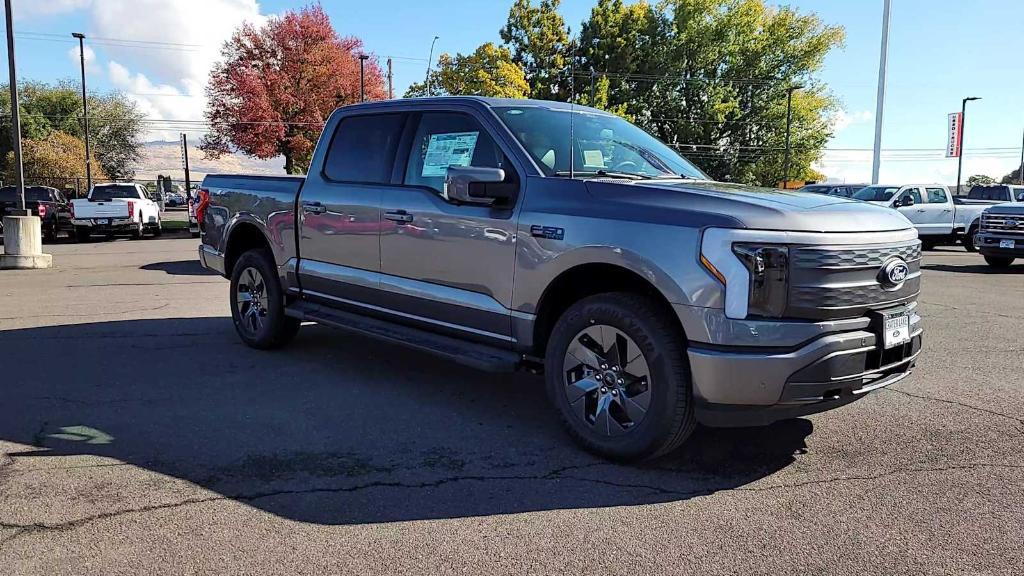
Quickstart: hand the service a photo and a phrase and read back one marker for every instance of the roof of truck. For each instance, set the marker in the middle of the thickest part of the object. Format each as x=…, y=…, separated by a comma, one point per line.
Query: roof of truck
x=489, y=102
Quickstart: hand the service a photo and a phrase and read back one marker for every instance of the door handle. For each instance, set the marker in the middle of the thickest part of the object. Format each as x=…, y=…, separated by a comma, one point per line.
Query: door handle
x=400, y=216
x=921, y=210
x=313, y=207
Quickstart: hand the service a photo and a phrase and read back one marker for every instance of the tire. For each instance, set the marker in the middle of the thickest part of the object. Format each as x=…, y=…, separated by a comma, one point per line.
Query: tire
x=266, y=327
x=82, y=234
x=159, y=229
x=928, y=245
x=1000, y=262
x=50, y=233
x=968, y=240
x=140, y=231
x=628, y=434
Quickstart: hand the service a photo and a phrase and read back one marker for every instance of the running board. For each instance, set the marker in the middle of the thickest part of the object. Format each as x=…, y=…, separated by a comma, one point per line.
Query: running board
x=472, y=354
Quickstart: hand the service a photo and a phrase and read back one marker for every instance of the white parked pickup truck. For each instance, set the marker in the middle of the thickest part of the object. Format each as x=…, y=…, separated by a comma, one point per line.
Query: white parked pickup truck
x=939, y=217
x=119, y=208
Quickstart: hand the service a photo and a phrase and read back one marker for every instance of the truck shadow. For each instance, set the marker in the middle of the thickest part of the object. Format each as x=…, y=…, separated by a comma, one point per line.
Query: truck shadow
x=337, y=429
x=180, y=268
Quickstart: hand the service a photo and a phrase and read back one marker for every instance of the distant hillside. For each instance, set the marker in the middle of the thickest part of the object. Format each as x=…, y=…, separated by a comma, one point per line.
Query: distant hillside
x=165, y=158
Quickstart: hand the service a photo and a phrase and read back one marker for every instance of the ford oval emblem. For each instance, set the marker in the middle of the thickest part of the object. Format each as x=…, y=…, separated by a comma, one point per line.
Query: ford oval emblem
x=1012, y=223
x=894, y=273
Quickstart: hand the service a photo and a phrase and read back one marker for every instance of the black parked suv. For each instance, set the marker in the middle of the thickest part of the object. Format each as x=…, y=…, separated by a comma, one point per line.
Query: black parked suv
x=48, y=203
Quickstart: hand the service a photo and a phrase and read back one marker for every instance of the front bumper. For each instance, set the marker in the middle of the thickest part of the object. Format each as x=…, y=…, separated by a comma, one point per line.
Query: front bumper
x=747, y=386
x=988, y=244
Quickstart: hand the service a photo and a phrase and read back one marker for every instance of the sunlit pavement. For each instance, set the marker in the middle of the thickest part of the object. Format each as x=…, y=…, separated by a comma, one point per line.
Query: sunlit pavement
x=139, y=436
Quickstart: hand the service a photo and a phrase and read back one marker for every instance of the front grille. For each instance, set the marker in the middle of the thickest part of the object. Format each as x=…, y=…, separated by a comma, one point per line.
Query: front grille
x=1003, y=223
x=843, y=281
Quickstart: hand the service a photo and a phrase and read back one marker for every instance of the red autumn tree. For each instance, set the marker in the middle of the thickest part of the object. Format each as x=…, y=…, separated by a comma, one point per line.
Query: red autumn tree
x=276, y=86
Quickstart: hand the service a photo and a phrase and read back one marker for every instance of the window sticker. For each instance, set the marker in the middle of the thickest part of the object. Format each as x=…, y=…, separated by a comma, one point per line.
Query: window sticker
x=593, y=158
x=444, y=150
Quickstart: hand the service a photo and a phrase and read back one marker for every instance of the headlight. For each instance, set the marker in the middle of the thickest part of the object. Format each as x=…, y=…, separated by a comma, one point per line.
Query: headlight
x=769, y=278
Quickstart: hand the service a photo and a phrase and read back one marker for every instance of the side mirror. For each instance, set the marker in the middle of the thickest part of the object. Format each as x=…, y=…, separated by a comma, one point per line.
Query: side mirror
x=472, y=185
x=904, y=201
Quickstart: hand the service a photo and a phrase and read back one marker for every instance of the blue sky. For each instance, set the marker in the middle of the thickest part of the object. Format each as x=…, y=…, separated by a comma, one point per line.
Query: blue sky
x=940, y=51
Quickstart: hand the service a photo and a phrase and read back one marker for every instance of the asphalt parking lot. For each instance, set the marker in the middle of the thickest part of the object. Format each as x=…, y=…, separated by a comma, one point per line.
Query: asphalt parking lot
x=138, y=435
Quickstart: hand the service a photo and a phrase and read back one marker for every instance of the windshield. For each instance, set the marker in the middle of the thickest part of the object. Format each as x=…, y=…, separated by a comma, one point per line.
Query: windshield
x=602, y=144
x=109, y=192
x=876, y=193
x=32, y=194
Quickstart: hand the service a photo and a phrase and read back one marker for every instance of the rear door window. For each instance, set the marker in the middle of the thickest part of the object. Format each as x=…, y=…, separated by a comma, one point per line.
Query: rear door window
x=363, y=148
x=937, y=196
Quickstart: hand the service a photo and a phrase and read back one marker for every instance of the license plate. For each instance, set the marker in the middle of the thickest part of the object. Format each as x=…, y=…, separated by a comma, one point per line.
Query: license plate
x=102, y=221
x=1007, y=244
x=897, y=330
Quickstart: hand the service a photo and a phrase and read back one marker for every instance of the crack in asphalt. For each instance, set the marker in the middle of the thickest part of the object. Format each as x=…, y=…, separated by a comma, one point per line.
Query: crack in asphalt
x=556, y=474
x=1019, y=421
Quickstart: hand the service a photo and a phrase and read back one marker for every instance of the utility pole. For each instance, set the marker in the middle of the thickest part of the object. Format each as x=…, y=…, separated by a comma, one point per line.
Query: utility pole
x=19, y=174
x=1020, y=175
x=184, y=164
x=963, y=126
x=85, y=110
x=391, y=82
x=430, y=62
x=876, y=162
x=789, y=126
x=362, y=78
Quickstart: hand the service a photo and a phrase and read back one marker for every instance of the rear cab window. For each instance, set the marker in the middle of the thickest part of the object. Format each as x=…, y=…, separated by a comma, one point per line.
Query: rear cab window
x=105, y=192
x=362, y=149
x=937, y=196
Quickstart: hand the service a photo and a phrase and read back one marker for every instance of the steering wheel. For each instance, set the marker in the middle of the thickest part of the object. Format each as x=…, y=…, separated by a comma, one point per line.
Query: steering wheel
x=621, y=166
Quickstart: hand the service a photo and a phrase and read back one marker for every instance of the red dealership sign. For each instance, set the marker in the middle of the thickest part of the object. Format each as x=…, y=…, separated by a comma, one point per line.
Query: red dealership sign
x=956, y=135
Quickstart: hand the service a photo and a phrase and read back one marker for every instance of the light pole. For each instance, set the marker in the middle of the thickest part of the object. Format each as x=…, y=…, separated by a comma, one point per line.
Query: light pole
x=430, y=62
x=876, y=162
x=85, y=111
x=789, y=126
x=960, y=144
x=362, y=77
x=15, y=114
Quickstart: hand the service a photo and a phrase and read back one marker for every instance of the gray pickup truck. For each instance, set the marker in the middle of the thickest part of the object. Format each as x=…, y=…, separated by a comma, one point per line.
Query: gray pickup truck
x=1001, y=237
x=506, y=234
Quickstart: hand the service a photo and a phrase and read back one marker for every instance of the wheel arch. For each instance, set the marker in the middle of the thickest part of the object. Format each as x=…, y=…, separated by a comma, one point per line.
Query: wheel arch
x=242, y=237
x=589, y=279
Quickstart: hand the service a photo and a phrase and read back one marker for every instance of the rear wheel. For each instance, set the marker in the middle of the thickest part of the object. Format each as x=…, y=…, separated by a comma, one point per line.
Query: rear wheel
x=50, y=232
x=82, y=234
x=968, y=240
x=158, y=230
x=139, y=230
x=999, y=261
x=257, y=303
x=617, y=372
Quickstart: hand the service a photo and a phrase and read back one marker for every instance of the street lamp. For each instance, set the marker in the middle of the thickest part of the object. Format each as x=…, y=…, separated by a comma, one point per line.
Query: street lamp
x=789, y=125
x=430, y=62
x=85, y=110
x=960, y=144
x=362, y=77
x=15, y=114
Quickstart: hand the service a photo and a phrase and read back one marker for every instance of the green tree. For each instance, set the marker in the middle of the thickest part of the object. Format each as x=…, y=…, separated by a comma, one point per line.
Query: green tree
x=980, y=180
x=710, y=77
x=1013, y=177
x=539, y=42
x=56, y=159
x=115, y=123
x=488, y=71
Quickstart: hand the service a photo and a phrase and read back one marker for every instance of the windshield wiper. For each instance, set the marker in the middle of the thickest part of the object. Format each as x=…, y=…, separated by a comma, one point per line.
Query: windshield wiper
x=605, y=174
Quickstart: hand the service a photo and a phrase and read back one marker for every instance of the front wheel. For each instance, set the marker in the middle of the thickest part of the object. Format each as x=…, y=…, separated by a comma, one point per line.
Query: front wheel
x=999, y=261
x=257, y=303
x=617, y=372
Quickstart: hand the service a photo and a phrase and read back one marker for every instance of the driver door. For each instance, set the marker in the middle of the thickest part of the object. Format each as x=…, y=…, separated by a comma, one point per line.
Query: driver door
x=916, y=212
x=445, y=265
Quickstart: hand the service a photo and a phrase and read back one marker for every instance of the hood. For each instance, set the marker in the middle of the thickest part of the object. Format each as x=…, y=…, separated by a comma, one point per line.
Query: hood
x=1017, y=209
x=769, y=209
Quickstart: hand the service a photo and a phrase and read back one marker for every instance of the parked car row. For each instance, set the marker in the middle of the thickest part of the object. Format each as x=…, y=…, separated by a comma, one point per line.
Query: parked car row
x=110, y=209
x=940, y=218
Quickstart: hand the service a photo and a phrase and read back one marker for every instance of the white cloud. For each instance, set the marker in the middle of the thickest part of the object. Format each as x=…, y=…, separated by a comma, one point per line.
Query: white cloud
x=842, y=119
x=167, y=80
x=30, y=8
x=90, y=59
